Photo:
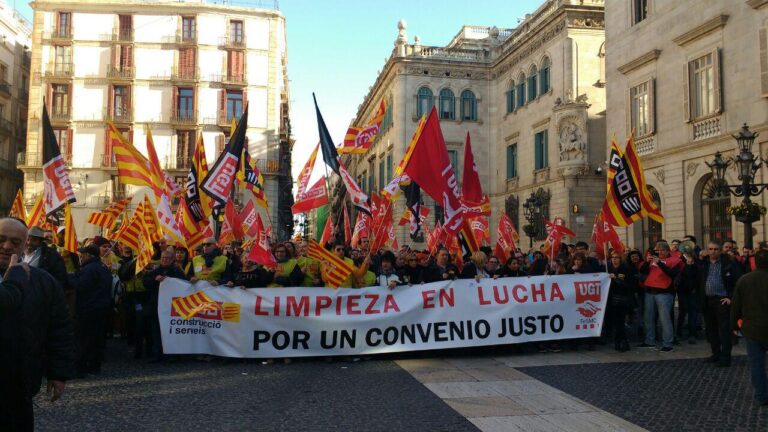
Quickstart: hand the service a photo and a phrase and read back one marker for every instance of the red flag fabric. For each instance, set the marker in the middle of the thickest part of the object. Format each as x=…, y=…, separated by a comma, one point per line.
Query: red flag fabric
x=604, y=234
x=427, y=163
x=313, y=198
x=471, y=190
x=347, y=227
x=556, y=229
x=361, y=228
x=231, y=216
x=327, y=231
x=507, y=234
x=260, y=252
x=57, y=189
x=359, y=139
x=500, y=251
x=480, y=230
x=247, y=218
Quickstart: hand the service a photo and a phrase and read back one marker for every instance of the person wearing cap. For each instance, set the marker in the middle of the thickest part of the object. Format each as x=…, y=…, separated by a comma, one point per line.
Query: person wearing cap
x=109, y=258
x=387, y=276
x=93, y=283
x=39, y=254
x=210, y=265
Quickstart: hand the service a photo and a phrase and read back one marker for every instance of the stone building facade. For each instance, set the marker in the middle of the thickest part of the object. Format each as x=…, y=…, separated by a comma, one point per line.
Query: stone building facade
x=15, y=57
x=177, y=68
x=531, y=98
x=686, y=75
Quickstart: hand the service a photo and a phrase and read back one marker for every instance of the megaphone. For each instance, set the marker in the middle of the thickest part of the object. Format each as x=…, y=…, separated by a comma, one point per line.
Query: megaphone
x=686, y=247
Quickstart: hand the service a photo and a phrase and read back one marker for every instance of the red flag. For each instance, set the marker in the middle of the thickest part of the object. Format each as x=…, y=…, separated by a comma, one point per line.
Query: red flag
x=427, y=163
x=604, y=234
x=231, y=216
x=57, y=189
x=471, y=190
x=500, y=251
x=316, y=196
x=480, y=229
x=347, y=228
x=381, y=215
x=358, y=139
x=555, y=232
x=507, y=234
x=260, y=253
x=361, y=228
x=328, y=230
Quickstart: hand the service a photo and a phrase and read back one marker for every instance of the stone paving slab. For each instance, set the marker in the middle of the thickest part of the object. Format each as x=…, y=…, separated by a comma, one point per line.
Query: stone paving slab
x=676, y=395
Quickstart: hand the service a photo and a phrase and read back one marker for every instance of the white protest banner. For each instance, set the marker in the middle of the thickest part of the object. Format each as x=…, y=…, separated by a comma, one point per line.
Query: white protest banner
x=297, y=322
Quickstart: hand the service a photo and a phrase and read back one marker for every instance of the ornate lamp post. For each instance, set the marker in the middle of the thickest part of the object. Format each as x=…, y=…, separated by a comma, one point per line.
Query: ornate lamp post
x=747, y=165
x=532, y=210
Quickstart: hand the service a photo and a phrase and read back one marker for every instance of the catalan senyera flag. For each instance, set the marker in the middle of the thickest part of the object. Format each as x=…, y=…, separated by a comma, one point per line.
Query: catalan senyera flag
x=36, y=216
x=117, y=207
x=129, y=233
x=194, y=232
x=336, y=269
x=627, y=199
x=17, y=209
x=198, y=204
x=165, y=216
x=102, y=219
x=150, y=219
x=145, y=253
x=250, y=177
x=359, y=139
x=70, y=237
x=189, y=306
x=132, y=166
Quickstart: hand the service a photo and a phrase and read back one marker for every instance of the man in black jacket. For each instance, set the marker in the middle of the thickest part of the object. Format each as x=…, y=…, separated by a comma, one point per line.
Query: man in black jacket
x=716, y=277
x=152, y=280
x=93, y=282
x=441, y=269
x=35, y=332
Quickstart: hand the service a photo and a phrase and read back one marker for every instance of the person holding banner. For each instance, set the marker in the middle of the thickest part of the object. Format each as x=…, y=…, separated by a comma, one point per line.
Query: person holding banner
x=412, y=272
x=211, y=264
x=513, y=268
x=288, y=273
x=388, y=277
x=442, y=269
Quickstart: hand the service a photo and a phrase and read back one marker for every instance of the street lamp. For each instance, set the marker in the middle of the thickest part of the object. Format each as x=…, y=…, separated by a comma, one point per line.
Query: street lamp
x=747, y=165
x=532, y=210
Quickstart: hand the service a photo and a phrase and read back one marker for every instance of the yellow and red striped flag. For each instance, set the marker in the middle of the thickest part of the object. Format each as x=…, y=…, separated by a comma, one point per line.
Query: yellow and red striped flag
x=164, y=214
x=147, y=251
x=336, y=269
x=37, y=215
x=70, y=237
x=188, y=306
x=101, y=219
x=132, y=166
x=17, y=209
x=194, y=232
x=117, y=207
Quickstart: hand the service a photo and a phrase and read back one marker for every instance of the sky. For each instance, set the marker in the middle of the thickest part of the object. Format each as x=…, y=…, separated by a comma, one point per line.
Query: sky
x=336, y=48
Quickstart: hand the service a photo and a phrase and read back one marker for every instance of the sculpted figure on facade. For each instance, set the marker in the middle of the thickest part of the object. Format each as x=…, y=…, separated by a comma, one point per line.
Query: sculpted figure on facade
x=572, y=143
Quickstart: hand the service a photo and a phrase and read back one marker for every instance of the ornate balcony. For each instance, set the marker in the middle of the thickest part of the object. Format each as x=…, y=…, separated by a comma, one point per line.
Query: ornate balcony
x=120, y=115
x=120, y=72
x=232, y=43
x=182, y=74
x=64, y=33
x=225, y=118
x=61, y=116
x=184, y=117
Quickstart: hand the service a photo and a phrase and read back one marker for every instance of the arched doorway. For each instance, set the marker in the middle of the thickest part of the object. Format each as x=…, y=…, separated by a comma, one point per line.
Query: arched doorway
x=715, y=221
x=652, y=230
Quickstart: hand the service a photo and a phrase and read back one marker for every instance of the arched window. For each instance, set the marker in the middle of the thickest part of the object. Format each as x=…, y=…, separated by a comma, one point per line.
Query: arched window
x=544, y=76
x=715, y=221
x=424, y=101
x=511, y=97
x=652, y=229
x=520, y=90
x=532, y=83
x=468, y=105
x=447, y=104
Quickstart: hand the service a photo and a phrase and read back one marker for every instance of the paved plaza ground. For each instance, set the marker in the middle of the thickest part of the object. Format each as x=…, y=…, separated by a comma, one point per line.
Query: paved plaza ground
x=489, y=389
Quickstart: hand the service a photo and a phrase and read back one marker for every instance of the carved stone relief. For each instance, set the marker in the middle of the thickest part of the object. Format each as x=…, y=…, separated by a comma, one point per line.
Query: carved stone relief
x=690, y=170
x=660, y=175
x=572, y=139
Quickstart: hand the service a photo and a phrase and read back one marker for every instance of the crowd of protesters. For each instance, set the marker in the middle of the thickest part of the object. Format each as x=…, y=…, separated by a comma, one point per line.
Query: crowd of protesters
x=108, y=298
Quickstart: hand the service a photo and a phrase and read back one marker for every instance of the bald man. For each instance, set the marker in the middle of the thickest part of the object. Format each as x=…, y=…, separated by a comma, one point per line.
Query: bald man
x=34, y=325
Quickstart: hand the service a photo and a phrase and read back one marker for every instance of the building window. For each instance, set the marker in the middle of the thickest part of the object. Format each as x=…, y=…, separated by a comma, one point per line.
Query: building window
x=424, y=101
x=520, y=91
x=63, y=137
x=187, y=63
x=64, y=25
x=652, y=229
x=540, y=150
x=389, y=167
x=715, y=220
x=512, y=209
x=63, y=60
x=236, y=32
x=122, y=60
x=704, y=92
x=188, y=28
x=511, y=97
x=121, y=101
x=468, y=105
x=639, y=10
x=532, y=84
x=439, y=214
x=235, y=66
x=234, y=105
x=447, y=104
x=544, y=76
x=60, y=100
x=185, y=148
x=453, y=155
x=125, y=31
x=362, y=180
x=185, y=103
x=642, y=108
x=371, y=180
x=382, y=180
x=511, y=161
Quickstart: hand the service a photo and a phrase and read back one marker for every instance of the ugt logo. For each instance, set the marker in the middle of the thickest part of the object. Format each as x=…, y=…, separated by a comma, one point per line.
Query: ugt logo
x=588, y=292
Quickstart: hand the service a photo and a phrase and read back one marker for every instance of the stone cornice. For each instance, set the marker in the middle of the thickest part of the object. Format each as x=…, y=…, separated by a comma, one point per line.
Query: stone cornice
x=151, y=8
x=757, y=4
x=648, y=57
x=713, y=24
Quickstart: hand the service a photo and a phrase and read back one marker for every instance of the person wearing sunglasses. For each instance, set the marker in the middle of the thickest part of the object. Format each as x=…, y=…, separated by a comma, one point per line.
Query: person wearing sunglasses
x=210, y=265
